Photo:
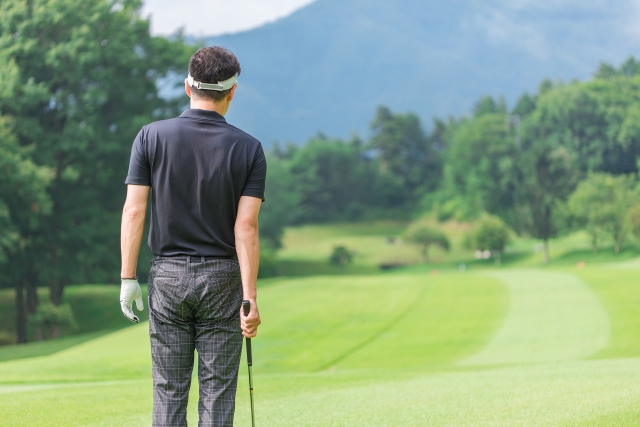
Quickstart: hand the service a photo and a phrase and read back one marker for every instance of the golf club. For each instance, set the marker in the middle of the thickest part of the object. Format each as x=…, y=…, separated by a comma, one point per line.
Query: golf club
x=246, y=305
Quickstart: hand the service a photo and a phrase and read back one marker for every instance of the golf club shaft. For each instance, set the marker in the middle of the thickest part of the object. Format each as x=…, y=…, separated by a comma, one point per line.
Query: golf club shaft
x=246, y=306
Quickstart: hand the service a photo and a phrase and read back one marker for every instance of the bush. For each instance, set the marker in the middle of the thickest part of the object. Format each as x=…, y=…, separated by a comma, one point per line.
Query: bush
x=491, y=234
x=48, y=319
x=340, y=256
x=421, y=234
x=6, y=339
x=269, y=266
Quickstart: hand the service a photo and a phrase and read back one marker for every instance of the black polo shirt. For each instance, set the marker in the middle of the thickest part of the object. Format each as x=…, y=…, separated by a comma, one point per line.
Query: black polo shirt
x=198, y=166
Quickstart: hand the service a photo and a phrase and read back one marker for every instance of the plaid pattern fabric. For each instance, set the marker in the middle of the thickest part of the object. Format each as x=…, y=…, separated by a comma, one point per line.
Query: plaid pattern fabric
x=194, y=304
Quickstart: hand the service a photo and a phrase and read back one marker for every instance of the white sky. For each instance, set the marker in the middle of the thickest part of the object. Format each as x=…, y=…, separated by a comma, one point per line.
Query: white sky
x=214, y=17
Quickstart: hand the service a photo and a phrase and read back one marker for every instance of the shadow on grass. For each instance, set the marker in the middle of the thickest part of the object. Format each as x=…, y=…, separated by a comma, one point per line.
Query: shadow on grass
x=45, y=348
x=603, y=255
x=299, y=268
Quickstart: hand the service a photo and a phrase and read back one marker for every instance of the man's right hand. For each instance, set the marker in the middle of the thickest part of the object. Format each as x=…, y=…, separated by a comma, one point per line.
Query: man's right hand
x=250, y=323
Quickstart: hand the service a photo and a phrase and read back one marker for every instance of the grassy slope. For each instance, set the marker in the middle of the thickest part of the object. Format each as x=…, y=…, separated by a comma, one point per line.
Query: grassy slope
x=405, y=376
x=96, y=311
x=619, y=291
x=312, y=324
x=347, y=351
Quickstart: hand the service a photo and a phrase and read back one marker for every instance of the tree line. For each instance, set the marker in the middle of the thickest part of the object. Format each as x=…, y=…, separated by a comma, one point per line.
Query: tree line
x=563, y=158
x=79, y=78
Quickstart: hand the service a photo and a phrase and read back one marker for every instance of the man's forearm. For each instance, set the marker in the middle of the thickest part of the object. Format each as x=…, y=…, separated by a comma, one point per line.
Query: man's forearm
x=131, y=238
x=248, y=250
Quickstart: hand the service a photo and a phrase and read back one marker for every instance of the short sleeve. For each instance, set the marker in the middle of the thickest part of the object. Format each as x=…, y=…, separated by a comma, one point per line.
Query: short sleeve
x=255, y=184
x=139, y=167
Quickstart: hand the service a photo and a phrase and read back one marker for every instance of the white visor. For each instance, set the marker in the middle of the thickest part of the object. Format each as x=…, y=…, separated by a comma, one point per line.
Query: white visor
x=224, y=85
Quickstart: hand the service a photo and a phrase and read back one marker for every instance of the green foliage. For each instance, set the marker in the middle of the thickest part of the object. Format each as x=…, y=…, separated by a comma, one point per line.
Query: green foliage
x=425, y=236
x=269, y=266
x=328, y=180
x=23, y=196
x=48, y=319
x=633, y=218
x=629, y=68
x=601, y=205
x=491, y=234
x=477, y=164
x=282, y=199
x=82, y=81
x=405, y=151
x=543, y=176
x=6, y=339
x=340, y=257
x=488, y=105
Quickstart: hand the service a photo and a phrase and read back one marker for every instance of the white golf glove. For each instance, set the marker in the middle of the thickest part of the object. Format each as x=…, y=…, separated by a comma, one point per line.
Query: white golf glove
x=130, y=291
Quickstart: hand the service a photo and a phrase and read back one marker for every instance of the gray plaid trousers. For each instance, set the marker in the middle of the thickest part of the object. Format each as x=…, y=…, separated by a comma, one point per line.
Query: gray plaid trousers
x=194, y=304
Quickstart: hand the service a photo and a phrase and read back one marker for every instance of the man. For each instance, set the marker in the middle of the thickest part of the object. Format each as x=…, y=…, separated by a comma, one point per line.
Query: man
x=208, y=181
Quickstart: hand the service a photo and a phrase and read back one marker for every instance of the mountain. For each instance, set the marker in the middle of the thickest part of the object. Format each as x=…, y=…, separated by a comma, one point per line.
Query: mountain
x=329, y=65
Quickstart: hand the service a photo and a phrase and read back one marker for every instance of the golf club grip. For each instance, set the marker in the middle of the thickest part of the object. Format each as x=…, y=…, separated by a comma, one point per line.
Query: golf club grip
x=246, y=307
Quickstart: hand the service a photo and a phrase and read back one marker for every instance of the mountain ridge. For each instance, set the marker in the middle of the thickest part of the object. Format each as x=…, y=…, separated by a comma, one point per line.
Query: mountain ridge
x=329, y=65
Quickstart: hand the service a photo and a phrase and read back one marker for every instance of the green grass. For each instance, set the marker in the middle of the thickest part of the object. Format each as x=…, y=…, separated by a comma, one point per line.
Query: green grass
x=523, y=345
x=45, y=348
x=307, y=249
x=394, y=349
x=619, y=291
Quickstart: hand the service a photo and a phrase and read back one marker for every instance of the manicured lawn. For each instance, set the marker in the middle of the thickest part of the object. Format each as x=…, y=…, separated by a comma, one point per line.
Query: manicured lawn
x=501, y=347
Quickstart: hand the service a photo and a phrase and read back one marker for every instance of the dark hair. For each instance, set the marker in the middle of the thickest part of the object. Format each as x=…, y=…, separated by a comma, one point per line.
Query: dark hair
x=212, y=65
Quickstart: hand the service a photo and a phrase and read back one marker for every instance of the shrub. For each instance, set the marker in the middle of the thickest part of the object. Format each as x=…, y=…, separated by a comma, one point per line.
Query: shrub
x=340, y=256
x=493, y=235
x=421, y=234
x=48, y=319
x=6, y=339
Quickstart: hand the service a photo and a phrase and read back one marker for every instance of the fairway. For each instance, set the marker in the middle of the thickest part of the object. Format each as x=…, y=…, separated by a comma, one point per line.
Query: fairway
x=493, y=348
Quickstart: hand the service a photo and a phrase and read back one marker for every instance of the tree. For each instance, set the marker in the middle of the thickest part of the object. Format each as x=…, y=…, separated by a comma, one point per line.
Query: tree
x=425, y=236
x=336, y=181
x=488, y=105
x=477, y=164
x=405, y=151
x=89, y=74
x=601, y=205
x=23, y=202
x=281, y=200
x=543, y=175
x=633, y=216
x=491, y=234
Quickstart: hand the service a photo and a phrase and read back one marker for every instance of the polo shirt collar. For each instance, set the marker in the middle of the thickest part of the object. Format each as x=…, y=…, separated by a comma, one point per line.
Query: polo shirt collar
x=193, y=113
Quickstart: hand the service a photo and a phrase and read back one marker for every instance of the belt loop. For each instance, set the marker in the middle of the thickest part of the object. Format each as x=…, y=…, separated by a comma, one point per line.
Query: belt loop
x=188, y=259
x=202, y=259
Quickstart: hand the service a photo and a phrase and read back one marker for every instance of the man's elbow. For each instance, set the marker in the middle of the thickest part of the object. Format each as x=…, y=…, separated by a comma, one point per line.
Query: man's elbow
x=247, y=229
x=133, y=212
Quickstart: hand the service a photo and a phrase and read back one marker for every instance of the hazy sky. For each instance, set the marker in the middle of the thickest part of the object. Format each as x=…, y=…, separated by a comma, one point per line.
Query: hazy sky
x=213, y=17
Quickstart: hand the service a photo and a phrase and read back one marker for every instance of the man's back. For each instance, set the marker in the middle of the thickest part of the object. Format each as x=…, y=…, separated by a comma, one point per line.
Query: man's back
x=207, y=180
x=198, y=167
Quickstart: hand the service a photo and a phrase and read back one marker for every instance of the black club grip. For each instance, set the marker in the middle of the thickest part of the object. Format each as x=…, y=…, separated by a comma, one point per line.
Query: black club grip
x=246, y=307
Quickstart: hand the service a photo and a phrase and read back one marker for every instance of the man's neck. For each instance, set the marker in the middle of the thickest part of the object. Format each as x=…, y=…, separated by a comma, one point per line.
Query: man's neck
x=219, y=107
